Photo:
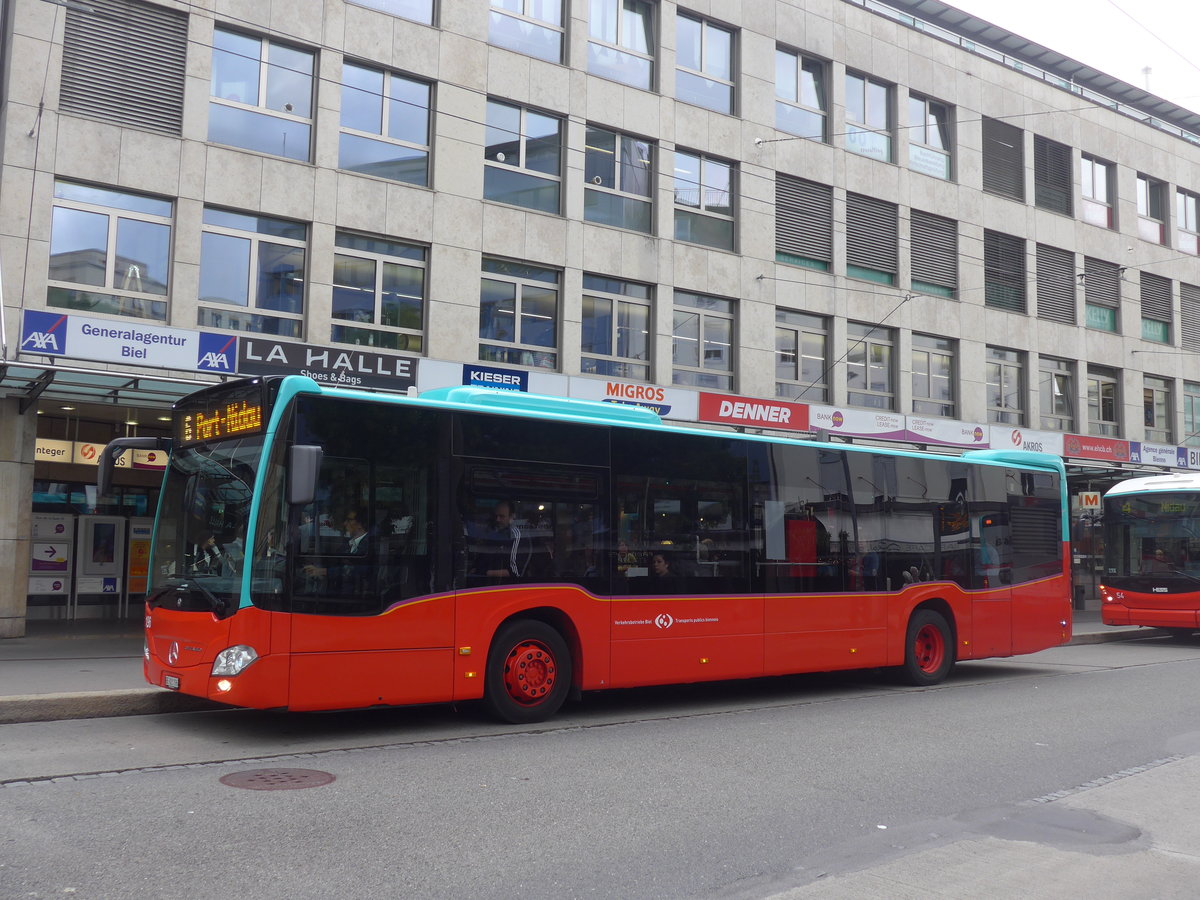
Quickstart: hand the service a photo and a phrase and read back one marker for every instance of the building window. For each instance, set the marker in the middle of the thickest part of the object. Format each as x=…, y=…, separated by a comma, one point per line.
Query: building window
x=868, y=117
x=1096, y=185
x=1156, y=408
x=379, y=286
x=703, y=200
x=523, y=157
x=803, y=223
x=621, y=45
x=1152, y=213
x=618, y=173
x=1004, y=271
x=1187, y=224
x=261, y=95
x=1052, y=187
x=125, y=62
x=415, y=10
x=1005, y=386
x=702, y=341
x=385, y=125
x=518, y=314
x=1101, y=293
x=110, y=252
x=704, y=64
x=801, y=104
x=252, y=273
x=532, y=27
x=934, y=254
x=1191, y=413
x=1156, y=308
x=1056, y=393
x=1056, y=284
x=872, y=239
x=801, y=356
x=870, y=375
x=929, y=145
x=933, y=376
x=1003, y=159
x=616, y=328
x=1103, y=406
x=1189, y=317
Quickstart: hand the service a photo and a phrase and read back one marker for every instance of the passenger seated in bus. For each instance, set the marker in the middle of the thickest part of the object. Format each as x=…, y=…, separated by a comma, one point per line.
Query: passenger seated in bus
x=505, y=554
x=348, y=574
x=664, y=578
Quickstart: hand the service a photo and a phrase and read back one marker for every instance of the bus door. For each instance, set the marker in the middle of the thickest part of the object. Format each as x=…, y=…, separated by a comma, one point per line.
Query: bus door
x=370, y=614
x=991, y=563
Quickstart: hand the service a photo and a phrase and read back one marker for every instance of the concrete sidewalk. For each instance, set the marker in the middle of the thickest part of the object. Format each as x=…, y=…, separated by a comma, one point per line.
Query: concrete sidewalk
x=92, y=669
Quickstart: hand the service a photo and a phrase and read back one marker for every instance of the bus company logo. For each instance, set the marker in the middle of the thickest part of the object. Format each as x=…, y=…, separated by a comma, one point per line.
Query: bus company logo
x=663, y=620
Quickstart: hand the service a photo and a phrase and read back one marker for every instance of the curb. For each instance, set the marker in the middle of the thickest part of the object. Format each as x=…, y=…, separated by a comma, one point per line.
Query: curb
x=1118, y=633
x=97, y=705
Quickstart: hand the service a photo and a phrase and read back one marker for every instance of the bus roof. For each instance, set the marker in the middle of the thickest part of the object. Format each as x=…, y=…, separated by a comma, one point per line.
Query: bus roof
x=1174, y=481
x=525, y=404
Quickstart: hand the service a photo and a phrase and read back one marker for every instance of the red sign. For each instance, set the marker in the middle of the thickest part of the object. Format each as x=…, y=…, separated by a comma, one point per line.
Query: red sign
x=1089, y=447
x=756, y=413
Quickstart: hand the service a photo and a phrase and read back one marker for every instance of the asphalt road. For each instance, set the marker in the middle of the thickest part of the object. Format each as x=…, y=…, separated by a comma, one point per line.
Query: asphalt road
x=742, y=790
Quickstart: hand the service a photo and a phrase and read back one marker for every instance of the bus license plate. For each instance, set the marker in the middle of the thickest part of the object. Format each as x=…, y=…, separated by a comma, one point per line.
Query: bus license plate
x=171, y=681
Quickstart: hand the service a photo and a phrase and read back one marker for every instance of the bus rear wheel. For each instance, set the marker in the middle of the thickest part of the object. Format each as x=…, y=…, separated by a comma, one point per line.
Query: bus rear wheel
x=928, y=649
x=528, y=672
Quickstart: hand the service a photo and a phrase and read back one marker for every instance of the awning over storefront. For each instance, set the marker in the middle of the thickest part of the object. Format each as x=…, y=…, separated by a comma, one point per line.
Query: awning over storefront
x=33, y=381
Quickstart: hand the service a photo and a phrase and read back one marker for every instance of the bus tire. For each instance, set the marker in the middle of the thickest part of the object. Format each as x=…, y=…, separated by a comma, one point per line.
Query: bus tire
x=928, y=649
x=528, y=672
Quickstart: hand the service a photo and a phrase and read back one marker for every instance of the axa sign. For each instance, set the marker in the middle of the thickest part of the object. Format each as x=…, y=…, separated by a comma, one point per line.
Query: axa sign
x=43, y=332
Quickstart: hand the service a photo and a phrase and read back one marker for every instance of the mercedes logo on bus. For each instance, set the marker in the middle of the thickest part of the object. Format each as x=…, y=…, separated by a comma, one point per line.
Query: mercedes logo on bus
x=173, y=653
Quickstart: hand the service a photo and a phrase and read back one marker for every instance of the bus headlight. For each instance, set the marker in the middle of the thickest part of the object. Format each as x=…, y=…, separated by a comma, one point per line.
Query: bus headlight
x=233, y=660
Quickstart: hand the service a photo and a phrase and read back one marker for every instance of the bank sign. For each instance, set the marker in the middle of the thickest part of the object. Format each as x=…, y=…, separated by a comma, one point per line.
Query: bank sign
x=128, y=343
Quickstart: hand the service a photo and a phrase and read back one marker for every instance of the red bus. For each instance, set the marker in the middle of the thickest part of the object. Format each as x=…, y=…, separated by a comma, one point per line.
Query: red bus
x=320, y=548
x=1152, y=553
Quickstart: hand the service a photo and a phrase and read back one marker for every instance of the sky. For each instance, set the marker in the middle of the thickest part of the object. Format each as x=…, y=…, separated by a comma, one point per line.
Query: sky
x=1120, y=37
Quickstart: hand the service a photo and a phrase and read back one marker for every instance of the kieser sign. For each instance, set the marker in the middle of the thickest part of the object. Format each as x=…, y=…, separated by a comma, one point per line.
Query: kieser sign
x=326, y=365
x=103, y=340
x=775, y=414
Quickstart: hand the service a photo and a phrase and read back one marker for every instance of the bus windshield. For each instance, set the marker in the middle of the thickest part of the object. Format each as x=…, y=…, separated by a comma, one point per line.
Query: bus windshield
x=203, y=521
x=1152, y=533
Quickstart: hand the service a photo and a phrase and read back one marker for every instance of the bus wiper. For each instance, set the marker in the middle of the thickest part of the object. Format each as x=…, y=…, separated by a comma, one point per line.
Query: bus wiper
x=1187, y=575
x=187, y=585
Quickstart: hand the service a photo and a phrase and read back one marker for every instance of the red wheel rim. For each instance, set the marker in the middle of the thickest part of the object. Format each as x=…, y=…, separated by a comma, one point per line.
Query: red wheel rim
x=530, y=672
x=929, y=649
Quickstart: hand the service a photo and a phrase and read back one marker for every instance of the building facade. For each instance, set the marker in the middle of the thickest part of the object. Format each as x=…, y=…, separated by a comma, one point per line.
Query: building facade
x=876, y=221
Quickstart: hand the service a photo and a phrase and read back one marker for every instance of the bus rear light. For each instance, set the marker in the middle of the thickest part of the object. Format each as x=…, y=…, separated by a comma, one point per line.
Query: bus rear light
x=234, y=660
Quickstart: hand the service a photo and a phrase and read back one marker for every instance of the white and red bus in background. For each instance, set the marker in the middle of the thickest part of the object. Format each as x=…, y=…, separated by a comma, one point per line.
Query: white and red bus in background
x=1152, y=553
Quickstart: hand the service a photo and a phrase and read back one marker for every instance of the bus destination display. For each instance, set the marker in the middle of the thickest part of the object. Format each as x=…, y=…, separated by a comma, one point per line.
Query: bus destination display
x=223, y=415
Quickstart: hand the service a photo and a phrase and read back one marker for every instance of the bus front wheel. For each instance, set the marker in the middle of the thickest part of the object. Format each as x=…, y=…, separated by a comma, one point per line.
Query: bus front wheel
x=928, y=649
x=528, y=672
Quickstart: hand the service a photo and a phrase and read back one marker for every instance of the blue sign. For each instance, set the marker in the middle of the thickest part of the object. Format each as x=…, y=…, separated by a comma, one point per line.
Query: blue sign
x=44, y=332
x=504, y=379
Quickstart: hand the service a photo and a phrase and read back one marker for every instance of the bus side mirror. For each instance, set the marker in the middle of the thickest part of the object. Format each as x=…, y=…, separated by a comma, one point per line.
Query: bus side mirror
x=112, y=452
x=303, y=468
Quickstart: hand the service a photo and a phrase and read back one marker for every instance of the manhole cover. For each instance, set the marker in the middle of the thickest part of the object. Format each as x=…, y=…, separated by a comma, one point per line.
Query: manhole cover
x=276, y=779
